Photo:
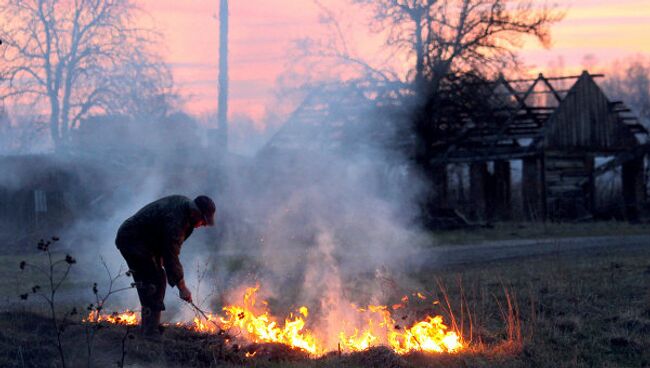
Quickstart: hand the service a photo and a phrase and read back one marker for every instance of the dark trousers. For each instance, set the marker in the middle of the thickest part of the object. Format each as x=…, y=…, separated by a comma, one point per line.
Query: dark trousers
x=150, y=279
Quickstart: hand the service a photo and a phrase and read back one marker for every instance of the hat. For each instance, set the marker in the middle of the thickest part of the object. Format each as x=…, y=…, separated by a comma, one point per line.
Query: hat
x=207, y=208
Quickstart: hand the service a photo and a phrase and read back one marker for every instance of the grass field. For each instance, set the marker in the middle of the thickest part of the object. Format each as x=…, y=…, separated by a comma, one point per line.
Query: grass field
x=514, y=230
x=563, y=310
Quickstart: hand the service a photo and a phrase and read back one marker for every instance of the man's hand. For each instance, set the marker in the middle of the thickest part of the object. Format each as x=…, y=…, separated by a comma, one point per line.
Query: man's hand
x=183, y=292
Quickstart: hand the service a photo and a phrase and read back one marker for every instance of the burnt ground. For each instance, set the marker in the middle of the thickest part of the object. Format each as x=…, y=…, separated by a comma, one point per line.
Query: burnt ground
x=571, y=305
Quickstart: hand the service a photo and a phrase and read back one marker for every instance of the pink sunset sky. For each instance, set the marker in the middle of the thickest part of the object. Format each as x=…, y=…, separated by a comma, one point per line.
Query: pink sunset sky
x=594, y=33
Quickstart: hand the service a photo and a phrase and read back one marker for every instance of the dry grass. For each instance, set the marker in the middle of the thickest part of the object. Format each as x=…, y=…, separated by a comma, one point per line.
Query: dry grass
x=560, y=310
x=554, y=311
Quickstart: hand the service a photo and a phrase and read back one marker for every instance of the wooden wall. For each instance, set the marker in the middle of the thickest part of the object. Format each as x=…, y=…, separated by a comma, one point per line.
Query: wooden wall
x=532, y=187
x=491, y=191
x=634, y=193
x=569, y=184
x=586, y=120
x=53, y=179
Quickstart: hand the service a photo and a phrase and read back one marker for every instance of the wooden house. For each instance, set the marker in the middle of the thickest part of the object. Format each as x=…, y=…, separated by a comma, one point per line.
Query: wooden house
x=556, y=143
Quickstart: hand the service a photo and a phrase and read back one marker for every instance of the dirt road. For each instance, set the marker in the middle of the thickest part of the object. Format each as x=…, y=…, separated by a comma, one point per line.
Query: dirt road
x=445, y=256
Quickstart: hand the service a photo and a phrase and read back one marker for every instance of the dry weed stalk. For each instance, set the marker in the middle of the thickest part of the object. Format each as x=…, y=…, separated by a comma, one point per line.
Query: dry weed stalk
x=100, y=301
x=127, y=335
x=49, y=271
x=511, y=317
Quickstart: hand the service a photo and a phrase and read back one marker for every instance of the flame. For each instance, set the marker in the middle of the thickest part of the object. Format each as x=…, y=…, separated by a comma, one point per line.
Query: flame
x=209, y=325
x=128, y=317
x=261, y=327
x=304, y=311
x=429, y=335
x=358, y=342
x=254, y=323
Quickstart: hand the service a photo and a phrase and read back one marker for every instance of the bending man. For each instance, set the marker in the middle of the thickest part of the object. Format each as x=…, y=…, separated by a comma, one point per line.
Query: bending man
x=150, y=242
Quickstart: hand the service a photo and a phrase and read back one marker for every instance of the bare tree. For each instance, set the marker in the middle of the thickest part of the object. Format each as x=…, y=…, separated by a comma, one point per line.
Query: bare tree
x=334, y=56
x=22, y=131
x=438, y=38
x=445, y=37
x=144, y=89
x=65, y=53
x=629, y=80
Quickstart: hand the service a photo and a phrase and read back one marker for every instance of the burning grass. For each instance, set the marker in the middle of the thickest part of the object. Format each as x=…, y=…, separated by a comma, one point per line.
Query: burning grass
x=251, y=323
x=554, y=311
x=127, y=318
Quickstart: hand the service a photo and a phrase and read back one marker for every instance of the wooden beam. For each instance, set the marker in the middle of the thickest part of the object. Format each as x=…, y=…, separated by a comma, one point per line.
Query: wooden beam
x=550, y=87
x=502, y=187
x=516, y=93
x=532, y=188
x=555, y=78
x=477, y=184
x=461, y=157
x=622, y=158
x=633, y=187
x=520, y=105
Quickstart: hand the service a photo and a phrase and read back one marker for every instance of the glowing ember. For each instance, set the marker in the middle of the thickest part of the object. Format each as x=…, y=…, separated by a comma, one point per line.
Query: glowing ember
x=253, y=323
x=128, y=317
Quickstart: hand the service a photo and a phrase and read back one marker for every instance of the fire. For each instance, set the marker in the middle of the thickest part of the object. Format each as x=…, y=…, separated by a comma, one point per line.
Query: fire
x=358, y=342
x=254, y=323
x=129, y=318
x=429, y=335
x=261, y=327
x=209, y=325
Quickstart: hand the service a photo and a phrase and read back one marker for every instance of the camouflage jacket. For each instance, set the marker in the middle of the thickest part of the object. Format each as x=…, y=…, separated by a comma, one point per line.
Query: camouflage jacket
x=158, y=230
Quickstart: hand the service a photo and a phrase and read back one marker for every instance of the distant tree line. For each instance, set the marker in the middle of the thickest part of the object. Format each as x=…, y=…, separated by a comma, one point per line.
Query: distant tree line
x=629, y=81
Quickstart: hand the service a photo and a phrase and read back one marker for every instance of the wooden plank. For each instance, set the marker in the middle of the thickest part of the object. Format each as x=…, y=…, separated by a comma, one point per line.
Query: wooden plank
x=502, y=186
x=532, y=187
x=556, y=78
x=478, y=176
x=633, y=181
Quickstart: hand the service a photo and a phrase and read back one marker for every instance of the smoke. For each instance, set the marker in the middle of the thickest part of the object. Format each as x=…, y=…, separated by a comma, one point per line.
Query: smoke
x=317, y=217
x=322, y=215
x=328, y=229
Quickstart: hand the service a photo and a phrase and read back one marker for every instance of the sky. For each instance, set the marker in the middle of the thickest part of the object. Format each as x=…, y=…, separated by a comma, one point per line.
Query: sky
x=593, y=34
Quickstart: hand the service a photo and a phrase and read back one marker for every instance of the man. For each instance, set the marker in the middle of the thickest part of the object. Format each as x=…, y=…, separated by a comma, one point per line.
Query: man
x=150, y=242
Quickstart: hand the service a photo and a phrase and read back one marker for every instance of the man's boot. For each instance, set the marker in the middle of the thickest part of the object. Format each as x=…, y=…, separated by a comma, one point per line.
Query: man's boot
x=150, y=323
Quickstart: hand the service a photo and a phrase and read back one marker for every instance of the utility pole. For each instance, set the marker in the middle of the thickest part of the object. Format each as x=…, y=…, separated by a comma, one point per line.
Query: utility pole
x=222, y=111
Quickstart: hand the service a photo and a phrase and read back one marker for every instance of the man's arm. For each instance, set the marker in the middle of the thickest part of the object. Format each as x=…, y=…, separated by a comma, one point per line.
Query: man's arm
x=173, y=266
